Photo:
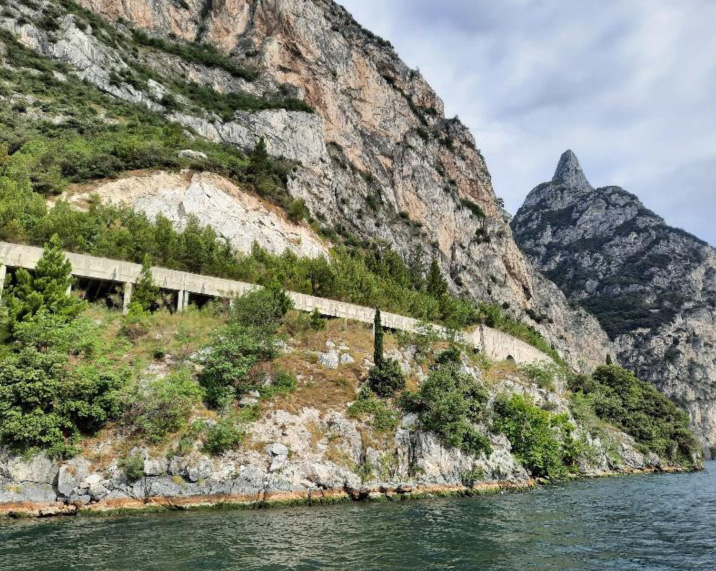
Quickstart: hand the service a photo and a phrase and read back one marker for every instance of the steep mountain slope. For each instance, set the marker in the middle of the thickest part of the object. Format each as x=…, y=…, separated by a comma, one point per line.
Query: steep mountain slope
x=652, y=287
x=373, y=155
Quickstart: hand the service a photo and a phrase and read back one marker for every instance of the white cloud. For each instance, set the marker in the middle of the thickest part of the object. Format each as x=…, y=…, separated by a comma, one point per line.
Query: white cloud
x=629, y=85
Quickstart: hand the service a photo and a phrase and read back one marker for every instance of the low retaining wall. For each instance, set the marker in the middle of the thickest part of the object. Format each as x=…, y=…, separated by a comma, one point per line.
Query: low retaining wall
x=496, y=345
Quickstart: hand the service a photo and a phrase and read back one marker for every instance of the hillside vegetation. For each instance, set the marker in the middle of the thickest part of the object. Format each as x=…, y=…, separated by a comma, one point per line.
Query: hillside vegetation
x=62, y=131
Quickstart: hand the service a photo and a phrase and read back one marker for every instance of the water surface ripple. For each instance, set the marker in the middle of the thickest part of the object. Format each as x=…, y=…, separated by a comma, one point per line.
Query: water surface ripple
x=661, y=522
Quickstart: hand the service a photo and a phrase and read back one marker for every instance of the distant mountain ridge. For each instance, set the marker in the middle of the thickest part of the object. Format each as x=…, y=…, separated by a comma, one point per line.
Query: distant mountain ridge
x=652, y=286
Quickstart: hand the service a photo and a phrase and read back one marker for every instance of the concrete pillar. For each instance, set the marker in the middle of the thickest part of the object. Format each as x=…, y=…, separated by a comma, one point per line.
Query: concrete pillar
x=186, y=300
x=69, y=290
x=127, y=298
x=3, y=273
x=180, y=301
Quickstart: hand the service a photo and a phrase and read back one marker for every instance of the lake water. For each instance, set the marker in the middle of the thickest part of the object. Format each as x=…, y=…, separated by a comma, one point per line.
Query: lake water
x=654, y=522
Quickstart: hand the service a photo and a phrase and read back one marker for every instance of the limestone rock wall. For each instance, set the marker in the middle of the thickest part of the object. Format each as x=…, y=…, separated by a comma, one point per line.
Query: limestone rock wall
x=378, y=158
x=653, y=287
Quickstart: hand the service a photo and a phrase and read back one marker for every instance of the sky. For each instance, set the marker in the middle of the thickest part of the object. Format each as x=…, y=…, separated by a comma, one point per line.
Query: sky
x=628, y=85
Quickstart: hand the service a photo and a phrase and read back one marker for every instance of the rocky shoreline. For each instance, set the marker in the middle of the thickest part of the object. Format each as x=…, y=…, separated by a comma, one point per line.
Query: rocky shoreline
x=271, y=500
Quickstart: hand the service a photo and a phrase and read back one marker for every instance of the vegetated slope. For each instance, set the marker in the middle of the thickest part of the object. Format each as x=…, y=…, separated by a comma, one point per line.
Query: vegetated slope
x=258, y=406
x=370, y=152
x=652, y=287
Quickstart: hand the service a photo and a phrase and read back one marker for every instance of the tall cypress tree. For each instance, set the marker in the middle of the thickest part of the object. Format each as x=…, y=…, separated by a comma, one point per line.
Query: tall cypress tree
x=46, y=289
x=378, y=340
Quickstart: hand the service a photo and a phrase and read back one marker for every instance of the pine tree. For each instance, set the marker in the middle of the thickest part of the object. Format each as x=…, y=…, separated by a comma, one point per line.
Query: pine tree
x=610, y=361
x=259, y=161
x=378, y=340
x=44, y=290
x=436, y=284
x=145, y=292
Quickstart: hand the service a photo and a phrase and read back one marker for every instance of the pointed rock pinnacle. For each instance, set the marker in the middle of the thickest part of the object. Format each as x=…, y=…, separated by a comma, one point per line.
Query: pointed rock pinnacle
x=569, y=172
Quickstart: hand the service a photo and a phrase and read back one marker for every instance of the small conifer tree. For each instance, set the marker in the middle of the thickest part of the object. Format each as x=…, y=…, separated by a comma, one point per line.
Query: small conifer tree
x=46, y=289
x=145, y=292
x=610, y=361
x=436, y=284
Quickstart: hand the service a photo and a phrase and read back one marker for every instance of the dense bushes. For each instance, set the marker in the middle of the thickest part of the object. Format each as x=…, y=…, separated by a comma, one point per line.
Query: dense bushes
x=656, y=423
x=231, y=357
x=542, y=442
x=451, y=404
x=161, y=406
x=44, y=401
x=46, y=404
x=262, y=309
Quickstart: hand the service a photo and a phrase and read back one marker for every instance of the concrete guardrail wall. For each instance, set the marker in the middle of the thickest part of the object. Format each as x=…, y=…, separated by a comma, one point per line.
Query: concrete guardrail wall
x=496, y=345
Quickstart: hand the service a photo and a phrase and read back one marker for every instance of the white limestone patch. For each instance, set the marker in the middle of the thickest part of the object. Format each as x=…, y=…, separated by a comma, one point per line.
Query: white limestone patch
x=215, y=201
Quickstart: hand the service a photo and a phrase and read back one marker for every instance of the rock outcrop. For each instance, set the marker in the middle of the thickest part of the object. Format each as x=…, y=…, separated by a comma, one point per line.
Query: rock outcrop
x=213, y=201
x=652, y=287
x=377, y=159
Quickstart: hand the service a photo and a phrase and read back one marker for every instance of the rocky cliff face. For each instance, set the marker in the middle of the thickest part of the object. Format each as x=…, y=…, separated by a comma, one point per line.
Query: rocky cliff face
x=652, y=287
x=377, y=160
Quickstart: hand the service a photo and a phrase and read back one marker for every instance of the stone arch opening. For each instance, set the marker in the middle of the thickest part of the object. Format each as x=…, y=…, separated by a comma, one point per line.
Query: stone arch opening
x=510, y=359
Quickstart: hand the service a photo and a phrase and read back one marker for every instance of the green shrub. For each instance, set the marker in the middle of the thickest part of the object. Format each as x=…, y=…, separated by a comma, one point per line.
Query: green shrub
x=132, y=467
x=45, y=405
x=283, y=383
x=162, y=406
x=235, y=350
x=637, y=408
x=542, y=442
x=385, y=419
x=450, y=404
x=387, y=379
x=543, y=376
x=47, y=331
x=136, y=323
x=226, y=434
x=261, y=309
x=472, y=207
x=317, y=322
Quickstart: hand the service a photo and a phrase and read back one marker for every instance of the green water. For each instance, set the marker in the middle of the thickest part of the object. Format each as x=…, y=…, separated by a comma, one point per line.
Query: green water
x=644, y=522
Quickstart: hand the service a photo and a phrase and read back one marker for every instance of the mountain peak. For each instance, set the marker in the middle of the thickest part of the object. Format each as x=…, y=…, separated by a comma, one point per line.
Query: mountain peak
x=570, y=173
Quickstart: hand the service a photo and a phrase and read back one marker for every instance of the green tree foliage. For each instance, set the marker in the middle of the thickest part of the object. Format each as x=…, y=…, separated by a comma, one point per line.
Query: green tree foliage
x=641, y=411
x=542, y=442
x=45, y=290
x=46, y=405
x=385, y=378
x=232, y=355
x=378, y=350
x=436, y=284
x=261, y=309
x=145, y=292
x=451, y=403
